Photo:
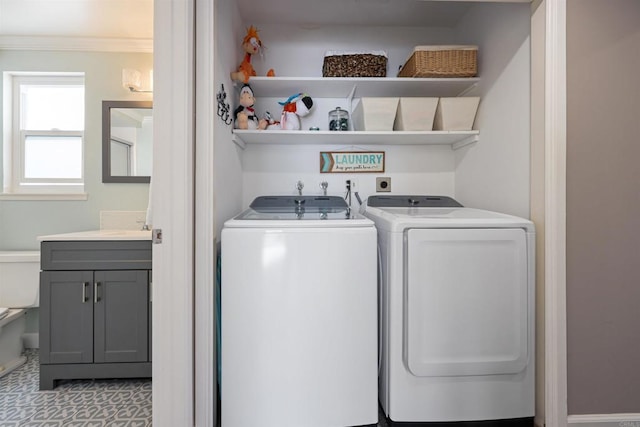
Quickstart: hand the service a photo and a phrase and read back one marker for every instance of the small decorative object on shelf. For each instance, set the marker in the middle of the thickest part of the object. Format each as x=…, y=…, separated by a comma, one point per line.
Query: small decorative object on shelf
x=223, y=106
x=296, y=106
x=245, y=116
x=338, y=119
x=251, y=44
x=270, y=120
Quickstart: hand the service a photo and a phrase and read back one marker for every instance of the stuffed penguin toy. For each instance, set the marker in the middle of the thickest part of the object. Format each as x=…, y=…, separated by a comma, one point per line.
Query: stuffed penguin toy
x=245, y=116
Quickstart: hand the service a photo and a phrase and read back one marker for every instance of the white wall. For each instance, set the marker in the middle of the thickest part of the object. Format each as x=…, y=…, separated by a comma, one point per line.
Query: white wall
x=297, y=51
x=494, y=173
x=22, y=221
x=277, y=169
x=227, y=155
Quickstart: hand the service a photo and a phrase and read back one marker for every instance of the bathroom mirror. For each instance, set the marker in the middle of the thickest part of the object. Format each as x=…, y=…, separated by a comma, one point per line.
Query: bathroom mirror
x=127, y=141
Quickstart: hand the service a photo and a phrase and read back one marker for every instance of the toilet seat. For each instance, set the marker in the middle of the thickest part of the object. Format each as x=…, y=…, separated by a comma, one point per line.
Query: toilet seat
x=3, y=312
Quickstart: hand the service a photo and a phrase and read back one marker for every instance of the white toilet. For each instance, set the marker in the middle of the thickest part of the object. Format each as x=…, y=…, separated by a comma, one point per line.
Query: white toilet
x=19, y=290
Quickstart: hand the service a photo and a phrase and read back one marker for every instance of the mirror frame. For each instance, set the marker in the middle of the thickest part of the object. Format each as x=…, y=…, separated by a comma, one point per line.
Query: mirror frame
x=106, y=140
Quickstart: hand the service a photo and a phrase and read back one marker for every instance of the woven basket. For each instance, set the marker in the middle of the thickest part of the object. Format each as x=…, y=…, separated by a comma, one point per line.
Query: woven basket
x=441, y=61
x=355, y=64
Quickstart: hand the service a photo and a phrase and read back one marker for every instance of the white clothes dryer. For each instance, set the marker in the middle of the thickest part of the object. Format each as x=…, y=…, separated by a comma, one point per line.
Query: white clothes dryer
x=299, y=315
x=457, y=312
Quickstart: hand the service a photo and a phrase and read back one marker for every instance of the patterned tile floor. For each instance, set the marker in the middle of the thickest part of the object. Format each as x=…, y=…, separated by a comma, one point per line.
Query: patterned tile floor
x=77, y=403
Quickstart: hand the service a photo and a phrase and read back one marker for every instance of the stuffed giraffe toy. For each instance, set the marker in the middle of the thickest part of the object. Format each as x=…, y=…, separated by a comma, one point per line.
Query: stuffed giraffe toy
x=251, y=44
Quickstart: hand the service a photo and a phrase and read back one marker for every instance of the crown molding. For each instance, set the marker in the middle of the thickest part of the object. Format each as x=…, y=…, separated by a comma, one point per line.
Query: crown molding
x=85, y=44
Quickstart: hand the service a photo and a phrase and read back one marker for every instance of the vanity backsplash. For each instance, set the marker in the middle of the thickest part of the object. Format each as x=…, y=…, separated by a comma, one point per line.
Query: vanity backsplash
x=122, y=220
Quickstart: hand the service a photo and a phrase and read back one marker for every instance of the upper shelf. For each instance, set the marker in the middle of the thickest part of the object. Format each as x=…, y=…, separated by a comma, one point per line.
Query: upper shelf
x=341, y=87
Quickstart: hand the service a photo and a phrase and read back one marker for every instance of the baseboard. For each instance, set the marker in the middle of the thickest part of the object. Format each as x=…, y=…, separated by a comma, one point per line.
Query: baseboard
x=31, y=340
x=604, y=420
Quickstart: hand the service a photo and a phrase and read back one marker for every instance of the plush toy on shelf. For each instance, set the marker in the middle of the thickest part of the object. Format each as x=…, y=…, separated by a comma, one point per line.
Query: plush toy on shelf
x=251, y=44
x=296, y=106
x=245, y=116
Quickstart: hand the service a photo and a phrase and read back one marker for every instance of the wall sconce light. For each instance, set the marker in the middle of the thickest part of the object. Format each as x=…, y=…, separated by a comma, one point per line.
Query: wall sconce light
x=131, y=79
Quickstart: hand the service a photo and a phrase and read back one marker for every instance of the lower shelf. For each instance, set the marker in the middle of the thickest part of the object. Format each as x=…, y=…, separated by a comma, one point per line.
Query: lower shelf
x=456, y=139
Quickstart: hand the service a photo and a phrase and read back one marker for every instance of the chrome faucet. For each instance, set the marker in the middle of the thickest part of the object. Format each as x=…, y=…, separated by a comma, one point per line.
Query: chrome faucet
x=324, y=185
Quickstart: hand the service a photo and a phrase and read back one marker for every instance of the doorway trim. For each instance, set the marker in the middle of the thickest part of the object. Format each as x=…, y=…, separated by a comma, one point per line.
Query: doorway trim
x=172, y=207
x=206, y=372
x=555, y=214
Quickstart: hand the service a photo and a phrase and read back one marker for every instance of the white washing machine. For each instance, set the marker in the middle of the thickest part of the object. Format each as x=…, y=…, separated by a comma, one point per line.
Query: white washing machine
x=299, y=315
x=457, y=312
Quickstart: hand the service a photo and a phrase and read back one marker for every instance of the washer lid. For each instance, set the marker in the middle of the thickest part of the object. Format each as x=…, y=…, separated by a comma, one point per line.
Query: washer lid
x=299, y=211
x=284, y=204
x=297, y=208
x=413, y=201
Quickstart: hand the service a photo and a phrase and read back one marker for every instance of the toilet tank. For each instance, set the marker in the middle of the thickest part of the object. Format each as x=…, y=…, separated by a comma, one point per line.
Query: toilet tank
x=19, y=279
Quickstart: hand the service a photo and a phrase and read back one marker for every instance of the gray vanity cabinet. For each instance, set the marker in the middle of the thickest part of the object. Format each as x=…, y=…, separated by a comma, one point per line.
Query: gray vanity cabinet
x=120, y=316
x=94, y=323
x=66, y=305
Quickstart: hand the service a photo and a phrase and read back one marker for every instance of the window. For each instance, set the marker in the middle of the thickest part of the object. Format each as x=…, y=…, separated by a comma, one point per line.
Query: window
x=44, y=149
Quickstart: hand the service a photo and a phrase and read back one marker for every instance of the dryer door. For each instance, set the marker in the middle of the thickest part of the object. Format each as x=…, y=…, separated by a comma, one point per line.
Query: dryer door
x=465, y=302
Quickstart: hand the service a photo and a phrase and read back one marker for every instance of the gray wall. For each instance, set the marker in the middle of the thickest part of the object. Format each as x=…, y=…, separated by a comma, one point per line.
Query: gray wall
x=603, y=206
x=22, y=221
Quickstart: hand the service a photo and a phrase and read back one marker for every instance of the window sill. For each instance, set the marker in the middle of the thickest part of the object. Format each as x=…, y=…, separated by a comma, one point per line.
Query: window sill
x=43, y=197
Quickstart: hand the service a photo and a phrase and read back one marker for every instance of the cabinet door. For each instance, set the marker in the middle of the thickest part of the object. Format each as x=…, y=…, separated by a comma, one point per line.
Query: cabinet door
x=150, y=317
x=121, y=316
x=66, y=317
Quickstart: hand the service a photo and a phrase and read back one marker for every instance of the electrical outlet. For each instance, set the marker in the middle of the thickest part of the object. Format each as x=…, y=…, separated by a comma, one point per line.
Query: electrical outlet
x=383, y=184
x=354, y=185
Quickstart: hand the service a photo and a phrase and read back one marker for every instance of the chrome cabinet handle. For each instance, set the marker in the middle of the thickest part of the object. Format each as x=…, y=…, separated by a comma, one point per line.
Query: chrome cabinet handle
x=84, y=291
x=96, y=298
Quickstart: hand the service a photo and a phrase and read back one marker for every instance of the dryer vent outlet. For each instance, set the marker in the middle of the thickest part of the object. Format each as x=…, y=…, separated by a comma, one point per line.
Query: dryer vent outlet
x=383, y=185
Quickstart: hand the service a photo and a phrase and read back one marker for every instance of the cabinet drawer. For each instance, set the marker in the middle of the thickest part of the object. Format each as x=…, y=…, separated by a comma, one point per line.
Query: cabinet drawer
x=96, y=255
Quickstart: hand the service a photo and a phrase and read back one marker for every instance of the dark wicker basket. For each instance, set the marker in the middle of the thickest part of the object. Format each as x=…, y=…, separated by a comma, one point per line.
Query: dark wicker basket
x=355, y=65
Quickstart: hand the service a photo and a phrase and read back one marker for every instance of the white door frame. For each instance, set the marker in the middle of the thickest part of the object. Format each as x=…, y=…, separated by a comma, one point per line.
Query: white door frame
x=555, y=215
x=205, y=239
x=173, y=213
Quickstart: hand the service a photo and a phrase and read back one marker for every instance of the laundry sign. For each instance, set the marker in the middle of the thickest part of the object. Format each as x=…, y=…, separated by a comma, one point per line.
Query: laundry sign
x=351, y=161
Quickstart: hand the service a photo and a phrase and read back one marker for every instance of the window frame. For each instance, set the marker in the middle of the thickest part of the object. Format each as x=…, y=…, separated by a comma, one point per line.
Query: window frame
x=15, y=182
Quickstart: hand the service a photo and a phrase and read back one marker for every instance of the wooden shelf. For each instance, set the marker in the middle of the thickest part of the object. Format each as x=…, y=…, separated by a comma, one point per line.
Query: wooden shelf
x=337, y=87
x=456, y=139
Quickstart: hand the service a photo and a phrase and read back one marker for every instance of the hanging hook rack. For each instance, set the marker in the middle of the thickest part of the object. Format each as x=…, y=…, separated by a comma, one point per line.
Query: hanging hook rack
x=223, y=107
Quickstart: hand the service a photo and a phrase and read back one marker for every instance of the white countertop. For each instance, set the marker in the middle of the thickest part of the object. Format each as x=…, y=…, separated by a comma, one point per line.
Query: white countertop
x=99, y=235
